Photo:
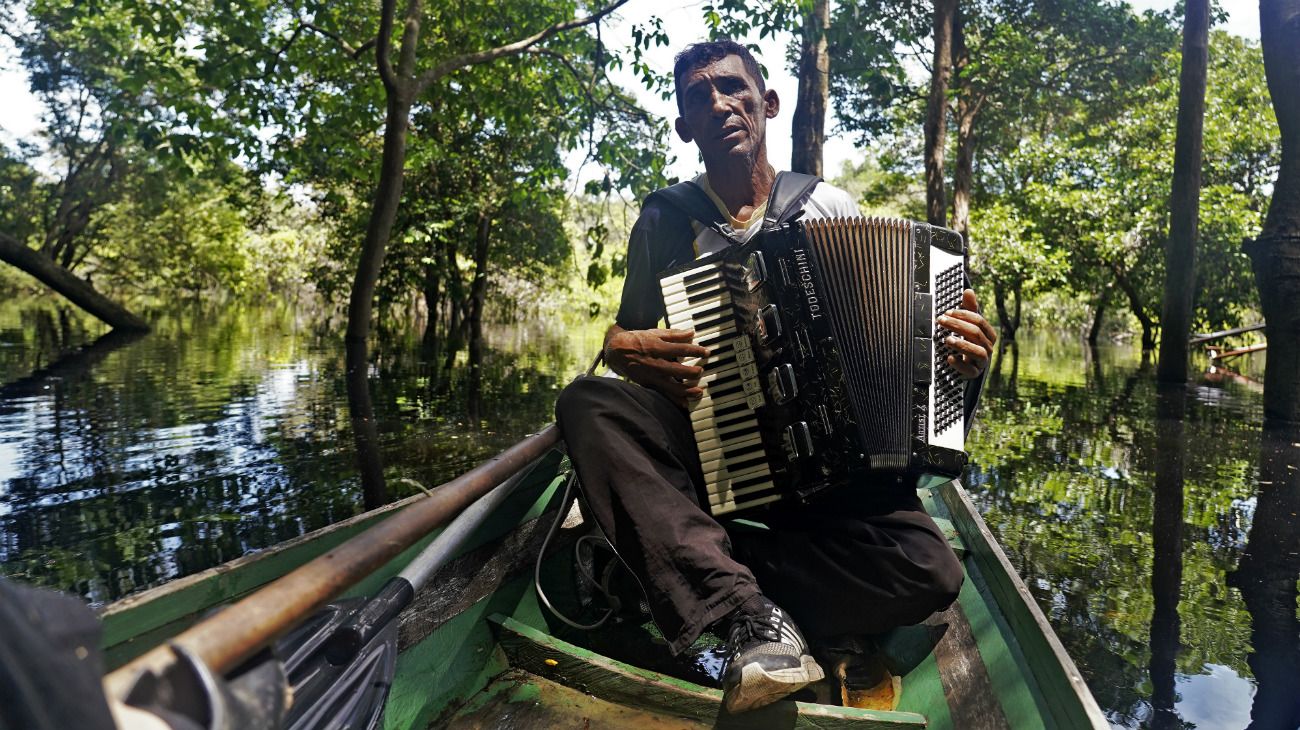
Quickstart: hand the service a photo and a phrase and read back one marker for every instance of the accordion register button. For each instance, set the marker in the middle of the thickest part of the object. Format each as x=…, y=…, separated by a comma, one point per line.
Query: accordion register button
x=769, y=324
x=782, y=384
x=755, y=271
x=798, y=440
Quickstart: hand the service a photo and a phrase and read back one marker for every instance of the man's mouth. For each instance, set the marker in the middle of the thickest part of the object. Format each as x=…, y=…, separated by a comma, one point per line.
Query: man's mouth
x=730, y=132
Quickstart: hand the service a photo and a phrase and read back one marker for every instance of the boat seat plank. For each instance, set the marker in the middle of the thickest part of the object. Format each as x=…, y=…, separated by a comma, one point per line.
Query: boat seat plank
x=559, y=661
x=524, y=701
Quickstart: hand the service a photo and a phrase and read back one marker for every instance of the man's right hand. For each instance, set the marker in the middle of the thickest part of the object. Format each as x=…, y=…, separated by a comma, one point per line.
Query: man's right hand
x=651, y=358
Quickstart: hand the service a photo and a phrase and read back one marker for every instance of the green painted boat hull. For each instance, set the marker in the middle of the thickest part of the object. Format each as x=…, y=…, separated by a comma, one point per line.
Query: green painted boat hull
x=476, y=645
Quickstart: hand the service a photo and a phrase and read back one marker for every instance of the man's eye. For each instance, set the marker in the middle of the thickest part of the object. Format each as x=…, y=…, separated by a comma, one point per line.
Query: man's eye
x=732, y=87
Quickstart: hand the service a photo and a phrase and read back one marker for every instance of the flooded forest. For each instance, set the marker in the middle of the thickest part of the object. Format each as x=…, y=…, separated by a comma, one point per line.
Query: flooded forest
x=265, y=267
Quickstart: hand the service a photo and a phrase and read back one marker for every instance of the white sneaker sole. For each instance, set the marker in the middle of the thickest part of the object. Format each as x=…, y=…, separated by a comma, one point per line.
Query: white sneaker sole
x=758, y=687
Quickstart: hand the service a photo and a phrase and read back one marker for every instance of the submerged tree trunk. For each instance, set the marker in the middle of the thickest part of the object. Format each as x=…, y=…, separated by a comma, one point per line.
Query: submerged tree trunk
x=1276, y=253
x=365, y=431
x=477, y=300
x=809, y=124
x=1185, y=198
x=72, y=287
x=936, y=112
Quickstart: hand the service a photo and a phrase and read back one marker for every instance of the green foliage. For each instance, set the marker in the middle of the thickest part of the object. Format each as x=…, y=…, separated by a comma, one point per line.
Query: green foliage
x=1073, y=108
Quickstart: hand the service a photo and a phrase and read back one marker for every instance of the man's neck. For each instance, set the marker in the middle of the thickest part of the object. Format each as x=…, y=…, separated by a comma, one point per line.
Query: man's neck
x=740, y=183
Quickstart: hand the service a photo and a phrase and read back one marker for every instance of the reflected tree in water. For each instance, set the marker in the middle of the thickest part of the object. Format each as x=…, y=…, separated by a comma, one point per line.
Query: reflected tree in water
x=1267, y=578
x=1167, y=552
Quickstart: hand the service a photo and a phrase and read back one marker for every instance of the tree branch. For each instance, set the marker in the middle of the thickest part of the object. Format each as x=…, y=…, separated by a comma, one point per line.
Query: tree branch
x=491, y=54
x=348, y=48
x=384, y=44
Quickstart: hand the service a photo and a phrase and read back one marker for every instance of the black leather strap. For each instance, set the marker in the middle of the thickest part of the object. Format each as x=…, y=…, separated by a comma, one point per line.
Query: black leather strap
x=690, y=199
x=789, y=192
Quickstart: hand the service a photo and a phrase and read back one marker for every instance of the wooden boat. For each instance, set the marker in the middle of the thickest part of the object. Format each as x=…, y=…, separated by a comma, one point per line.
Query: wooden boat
x=477, y=649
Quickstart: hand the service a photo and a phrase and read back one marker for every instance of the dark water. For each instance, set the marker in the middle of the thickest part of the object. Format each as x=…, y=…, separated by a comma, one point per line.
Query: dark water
x=1164, y=549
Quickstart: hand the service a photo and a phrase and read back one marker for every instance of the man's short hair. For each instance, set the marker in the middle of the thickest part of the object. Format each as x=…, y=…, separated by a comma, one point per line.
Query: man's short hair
x=702, y=54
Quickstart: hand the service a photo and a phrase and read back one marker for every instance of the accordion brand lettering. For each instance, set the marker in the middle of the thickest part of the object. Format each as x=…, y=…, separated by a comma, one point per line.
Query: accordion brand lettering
x=805, y=281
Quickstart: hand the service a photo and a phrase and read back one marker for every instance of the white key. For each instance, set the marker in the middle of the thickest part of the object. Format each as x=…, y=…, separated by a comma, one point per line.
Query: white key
x=732, y=506
x=703, y=300
x=728, y=493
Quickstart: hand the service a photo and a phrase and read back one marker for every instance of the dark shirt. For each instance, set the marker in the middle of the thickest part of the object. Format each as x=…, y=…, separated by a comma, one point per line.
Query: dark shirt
x=661, y=239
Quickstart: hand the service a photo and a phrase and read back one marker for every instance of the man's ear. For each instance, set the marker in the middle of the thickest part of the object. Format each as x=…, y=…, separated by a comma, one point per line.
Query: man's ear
x=683, y=131
x=771, y=103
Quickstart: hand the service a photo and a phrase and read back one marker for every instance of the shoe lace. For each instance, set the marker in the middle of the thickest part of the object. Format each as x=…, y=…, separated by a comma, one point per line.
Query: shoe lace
x=747, y=627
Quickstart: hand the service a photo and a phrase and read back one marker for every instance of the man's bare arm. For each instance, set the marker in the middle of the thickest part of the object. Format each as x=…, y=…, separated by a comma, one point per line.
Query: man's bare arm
x=652, y=358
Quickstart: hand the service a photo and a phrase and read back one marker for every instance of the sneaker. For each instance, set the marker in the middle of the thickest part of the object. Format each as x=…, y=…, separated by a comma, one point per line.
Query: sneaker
x=767, y=658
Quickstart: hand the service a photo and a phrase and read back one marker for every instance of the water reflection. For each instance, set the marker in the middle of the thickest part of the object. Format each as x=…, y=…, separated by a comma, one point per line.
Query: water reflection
x=1167, y=552
x=225, y=433
x=1267, y=578
x=1081, y=483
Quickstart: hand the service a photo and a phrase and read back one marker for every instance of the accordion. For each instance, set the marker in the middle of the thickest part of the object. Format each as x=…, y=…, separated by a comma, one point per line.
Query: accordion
x=826, y=365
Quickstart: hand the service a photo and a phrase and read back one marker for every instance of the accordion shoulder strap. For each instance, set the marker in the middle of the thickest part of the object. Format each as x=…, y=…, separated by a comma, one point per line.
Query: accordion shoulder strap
x=690, y=199
x=789, y=193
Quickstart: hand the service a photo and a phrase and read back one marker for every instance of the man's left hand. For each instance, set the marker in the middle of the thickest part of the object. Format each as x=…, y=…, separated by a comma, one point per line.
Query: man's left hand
x=973, y=337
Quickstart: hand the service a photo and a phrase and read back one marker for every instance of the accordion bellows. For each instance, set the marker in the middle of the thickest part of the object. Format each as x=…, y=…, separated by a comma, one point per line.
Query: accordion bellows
x=826, y=365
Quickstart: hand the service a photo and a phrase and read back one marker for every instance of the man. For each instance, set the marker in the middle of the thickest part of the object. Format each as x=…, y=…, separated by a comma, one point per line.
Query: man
x=857, y=561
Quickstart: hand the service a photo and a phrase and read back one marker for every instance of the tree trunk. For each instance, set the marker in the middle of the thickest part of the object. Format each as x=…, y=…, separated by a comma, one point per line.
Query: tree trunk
x=968, y=107
x=936, y=112
x=1185, y=198
x=383, y=213
x=373, y=248
x=432, y=291
x=809, y=124
x=1135, y=305
x=1098, y=316
x=477, y=301
x=1007, y=322
x=455, y=309
x=1020, y=299
x=1276, y=253
x=73, y=288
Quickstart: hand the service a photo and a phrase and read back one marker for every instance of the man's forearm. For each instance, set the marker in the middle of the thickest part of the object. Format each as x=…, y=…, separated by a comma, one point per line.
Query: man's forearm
x=613, y=330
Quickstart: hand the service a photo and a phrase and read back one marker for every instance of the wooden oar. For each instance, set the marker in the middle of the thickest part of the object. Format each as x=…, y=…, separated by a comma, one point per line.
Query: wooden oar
x=239, y=631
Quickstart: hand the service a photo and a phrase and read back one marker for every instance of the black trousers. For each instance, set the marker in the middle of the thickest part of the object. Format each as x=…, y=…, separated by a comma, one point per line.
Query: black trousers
x=858, y=561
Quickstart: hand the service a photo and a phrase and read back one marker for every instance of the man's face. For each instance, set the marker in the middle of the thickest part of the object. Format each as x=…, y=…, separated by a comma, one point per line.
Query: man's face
x=723, y=111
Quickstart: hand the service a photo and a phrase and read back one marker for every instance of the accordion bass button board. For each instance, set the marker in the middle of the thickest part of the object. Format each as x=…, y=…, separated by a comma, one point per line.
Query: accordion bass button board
x=826, y=367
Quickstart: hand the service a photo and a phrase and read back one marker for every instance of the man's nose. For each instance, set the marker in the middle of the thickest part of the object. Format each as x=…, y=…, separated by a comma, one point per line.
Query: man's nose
x=718, y=103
